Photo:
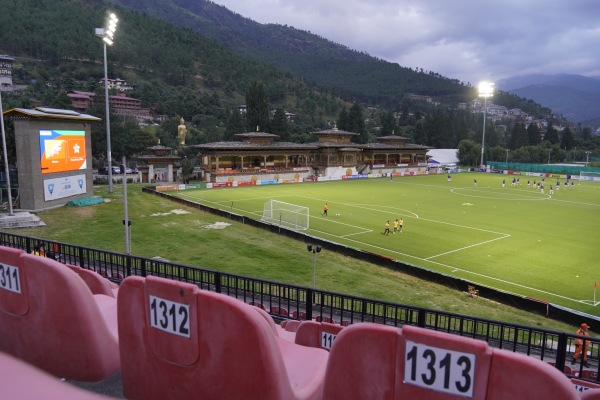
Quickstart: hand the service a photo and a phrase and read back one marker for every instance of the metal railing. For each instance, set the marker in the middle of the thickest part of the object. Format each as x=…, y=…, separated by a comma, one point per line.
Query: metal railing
x=290, y=301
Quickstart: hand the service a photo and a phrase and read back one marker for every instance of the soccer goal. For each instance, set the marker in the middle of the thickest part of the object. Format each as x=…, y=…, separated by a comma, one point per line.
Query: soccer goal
x=285, y=214
x=589, y=176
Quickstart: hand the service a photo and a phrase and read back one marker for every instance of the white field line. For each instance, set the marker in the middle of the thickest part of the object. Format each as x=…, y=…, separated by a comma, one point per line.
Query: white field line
x=467, y=247
x=454, y=269
x=366, y=206
x=488, y=194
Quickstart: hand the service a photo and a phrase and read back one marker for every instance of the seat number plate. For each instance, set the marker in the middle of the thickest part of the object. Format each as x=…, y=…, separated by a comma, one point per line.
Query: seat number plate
x=439, y=369
x=9, y=278
x=170, y=316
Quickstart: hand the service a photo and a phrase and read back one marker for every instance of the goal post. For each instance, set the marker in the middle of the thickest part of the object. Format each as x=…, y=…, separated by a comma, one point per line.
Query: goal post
x=589, y=176
x=286, y=215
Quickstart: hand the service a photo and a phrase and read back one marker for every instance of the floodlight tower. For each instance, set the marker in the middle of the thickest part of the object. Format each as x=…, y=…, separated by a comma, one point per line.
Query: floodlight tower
x=486, y=89
x=107, y=35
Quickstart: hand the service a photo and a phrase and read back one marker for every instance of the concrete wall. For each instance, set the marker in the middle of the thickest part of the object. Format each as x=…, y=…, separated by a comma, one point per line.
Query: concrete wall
x=31, y=180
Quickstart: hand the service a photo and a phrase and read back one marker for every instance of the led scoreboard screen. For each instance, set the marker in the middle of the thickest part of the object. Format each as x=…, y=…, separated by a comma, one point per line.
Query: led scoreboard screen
x=62, y=151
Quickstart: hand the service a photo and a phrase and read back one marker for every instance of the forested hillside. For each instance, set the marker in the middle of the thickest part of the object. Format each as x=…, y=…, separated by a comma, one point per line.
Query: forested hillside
x=178, y=72
x=330, y=65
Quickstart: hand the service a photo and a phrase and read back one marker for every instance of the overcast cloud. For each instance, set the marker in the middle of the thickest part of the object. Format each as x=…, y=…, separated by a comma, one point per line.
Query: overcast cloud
x=470, y=40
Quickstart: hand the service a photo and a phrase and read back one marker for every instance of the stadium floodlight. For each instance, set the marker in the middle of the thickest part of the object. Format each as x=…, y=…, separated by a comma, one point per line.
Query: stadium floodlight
x=486, y=89
x=107, y=35
x=549, y=151
x=507, y=150
x=315, y=248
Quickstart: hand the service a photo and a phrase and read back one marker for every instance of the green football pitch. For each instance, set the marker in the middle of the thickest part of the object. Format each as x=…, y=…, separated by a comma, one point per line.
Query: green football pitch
x=515, y=239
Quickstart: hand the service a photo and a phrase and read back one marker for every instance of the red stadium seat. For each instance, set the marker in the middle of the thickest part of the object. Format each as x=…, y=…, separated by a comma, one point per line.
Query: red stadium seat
x=362, y=363
x=180, y=342
x=259, y=305
x=49, y=318
x=317, y=334
x=298, y=314
x=279, y=311
x=96, y=282
x=382, y=362
x=589, y=374
x=22, y=381
x=581, y=385
x=590, y=394
x=325, y=319
x=277, y=329
x=291, y=325
x=540, y=380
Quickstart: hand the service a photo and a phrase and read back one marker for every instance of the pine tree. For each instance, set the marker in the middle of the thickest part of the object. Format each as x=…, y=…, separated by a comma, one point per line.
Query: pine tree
x=257, y=108
x=279, y=125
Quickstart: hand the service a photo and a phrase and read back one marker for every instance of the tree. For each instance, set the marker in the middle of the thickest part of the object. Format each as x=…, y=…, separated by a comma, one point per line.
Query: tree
x=62, y=101
x=468, y=152
x=257, y=108
x=388, y=123
x=279, y=124
x=517, y=136
x=356, y=123
x=342, y=122
x=552, y=134
x=567, y=140
x=235, y=124
x=533, y=135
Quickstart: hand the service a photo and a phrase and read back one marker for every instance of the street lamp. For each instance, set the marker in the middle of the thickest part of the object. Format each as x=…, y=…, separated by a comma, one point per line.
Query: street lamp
x=507, y=150
x=315, y=249
x=486, y=89
x=107, y=34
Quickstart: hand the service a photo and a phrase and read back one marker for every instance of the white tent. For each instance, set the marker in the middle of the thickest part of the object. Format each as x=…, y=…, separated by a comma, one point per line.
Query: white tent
x=443, y=156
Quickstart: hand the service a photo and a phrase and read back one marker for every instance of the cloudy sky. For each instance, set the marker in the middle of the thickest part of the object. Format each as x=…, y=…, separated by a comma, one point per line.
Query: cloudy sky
x=470, y=40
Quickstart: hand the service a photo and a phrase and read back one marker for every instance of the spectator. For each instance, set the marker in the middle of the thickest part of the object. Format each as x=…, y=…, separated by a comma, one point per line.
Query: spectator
x=581, y=345
x=39, y=250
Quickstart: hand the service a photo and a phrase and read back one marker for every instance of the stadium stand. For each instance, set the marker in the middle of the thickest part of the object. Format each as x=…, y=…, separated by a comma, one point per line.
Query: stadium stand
x=50, y=318
x=377, y=361
x=317, y=334
x=180, y=342
x=22, y=381
x=96, y=282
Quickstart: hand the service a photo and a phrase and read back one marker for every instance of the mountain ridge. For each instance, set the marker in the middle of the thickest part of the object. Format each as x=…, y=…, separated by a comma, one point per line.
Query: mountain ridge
x=576, y=97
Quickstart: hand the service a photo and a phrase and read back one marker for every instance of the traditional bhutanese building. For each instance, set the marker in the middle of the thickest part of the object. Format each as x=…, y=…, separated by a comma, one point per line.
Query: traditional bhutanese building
x=258, y=156
x=158, y=166
x=257, y=153
x=394, y=150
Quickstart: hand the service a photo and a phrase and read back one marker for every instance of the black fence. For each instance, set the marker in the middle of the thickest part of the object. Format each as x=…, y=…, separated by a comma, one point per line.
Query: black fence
x=295, y=302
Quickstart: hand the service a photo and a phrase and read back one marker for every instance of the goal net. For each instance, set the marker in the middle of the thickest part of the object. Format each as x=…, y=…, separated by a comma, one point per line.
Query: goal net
x=589, y=176
x=286, y=215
